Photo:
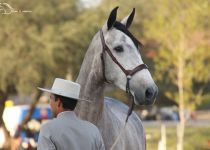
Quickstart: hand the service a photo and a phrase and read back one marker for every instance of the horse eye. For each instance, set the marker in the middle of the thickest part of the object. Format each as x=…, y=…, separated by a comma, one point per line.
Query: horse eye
x=118, y=49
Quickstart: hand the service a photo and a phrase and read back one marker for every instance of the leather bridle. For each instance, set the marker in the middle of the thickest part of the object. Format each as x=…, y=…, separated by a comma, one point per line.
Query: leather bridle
x=128, y=73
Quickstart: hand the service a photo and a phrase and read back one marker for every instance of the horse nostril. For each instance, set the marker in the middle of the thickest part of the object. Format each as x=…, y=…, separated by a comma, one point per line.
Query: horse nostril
x=149, y=93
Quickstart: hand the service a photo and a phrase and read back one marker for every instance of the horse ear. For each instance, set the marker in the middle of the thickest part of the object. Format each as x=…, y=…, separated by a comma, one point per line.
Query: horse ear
x=112, y=18
x=128, y=20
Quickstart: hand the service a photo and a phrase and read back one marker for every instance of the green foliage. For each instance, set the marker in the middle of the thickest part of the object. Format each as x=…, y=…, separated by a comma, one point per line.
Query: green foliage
x=180, y=29
x=31, y=44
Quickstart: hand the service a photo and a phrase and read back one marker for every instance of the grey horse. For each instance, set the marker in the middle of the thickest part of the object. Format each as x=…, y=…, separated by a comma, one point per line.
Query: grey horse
x=108, y=114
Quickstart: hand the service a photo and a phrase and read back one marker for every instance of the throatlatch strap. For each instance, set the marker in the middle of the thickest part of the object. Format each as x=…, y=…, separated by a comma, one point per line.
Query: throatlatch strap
x=103, y=67
x=131, y=97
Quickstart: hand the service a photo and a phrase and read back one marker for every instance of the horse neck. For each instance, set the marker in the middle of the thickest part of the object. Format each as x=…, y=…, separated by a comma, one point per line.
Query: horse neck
x=92, y=86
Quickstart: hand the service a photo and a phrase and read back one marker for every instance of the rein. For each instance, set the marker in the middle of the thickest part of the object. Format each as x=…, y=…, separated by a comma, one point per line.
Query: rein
x=128, y=74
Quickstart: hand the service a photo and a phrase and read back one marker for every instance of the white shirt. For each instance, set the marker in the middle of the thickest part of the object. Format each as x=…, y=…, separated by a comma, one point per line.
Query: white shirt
x=68, y=132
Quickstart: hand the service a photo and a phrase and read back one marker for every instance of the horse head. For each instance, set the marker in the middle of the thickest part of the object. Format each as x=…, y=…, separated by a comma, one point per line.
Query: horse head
x=121, y=60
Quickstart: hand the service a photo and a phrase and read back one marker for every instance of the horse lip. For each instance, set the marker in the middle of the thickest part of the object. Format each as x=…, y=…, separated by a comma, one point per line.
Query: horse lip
x=137, y=100
x=150, y=102
x=145, y=102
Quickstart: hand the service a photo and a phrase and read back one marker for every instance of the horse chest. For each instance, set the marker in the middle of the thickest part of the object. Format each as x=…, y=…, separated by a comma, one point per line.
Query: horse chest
x=111, y=125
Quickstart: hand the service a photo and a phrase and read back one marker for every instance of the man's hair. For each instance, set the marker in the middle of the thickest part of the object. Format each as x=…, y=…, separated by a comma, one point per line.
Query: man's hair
x=68, y=103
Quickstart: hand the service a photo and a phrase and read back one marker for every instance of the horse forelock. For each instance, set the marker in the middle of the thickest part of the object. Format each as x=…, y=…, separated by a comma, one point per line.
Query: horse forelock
x=122, y=28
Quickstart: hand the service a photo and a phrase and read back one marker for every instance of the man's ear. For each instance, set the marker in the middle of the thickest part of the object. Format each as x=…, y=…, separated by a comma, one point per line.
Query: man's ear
x=60, y=104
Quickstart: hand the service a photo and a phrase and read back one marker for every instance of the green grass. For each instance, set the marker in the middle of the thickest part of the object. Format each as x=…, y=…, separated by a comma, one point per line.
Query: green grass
x=195, y=138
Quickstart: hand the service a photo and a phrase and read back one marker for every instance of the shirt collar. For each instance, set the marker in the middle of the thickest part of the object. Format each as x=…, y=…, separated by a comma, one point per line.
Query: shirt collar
x=67, y=113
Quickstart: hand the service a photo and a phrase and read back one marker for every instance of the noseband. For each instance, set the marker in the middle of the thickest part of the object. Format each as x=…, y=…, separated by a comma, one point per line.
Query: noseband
x=128, y=73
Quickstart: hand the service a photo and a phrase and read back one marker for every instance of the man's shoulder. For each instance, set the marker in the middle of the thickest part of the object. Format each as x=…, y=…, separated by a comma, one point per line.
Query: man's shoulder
x=93, y=131
x=89, y=125
x=48, y=125
x=86, y=123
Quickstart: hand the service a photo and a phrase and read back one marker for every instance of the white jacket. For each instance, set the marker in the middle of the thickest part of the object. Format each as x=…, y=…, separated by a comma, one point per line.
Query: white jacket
x=68, y=132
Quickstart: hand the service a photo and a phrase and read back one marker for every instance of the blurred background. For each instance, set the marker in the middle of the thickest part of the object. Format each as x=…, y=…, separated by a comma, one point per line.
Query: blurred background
x=50, y=40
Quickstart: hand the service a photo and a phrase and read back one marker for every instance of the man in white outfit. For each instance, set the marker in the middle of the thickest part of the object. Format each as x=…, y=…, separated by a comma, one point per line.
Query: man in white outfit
x=66, y=131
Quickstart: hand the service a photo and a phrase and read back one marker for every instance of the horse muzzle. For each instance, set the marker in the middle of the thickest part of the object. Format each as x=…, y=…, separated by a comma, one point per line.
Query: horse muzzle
x=147, y=96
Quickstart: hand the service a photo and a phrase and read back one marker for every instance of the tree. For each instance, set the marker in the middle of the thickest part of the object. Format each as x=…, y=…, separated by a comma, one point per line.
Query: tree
x=31, y=48
x=180, y=31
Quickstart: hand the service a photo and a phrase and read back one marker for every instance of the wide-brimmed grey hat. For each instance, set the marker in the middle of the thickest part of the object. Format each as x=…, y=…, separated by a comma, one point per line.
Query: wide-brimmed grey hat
x=64, y=88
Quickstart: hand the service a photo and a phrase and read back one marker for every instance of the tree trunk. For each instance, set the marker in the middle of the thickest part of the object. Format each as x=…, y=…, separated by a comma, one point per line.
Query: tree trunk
x=181, y=124
x=162, y=142
x=180, y=135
